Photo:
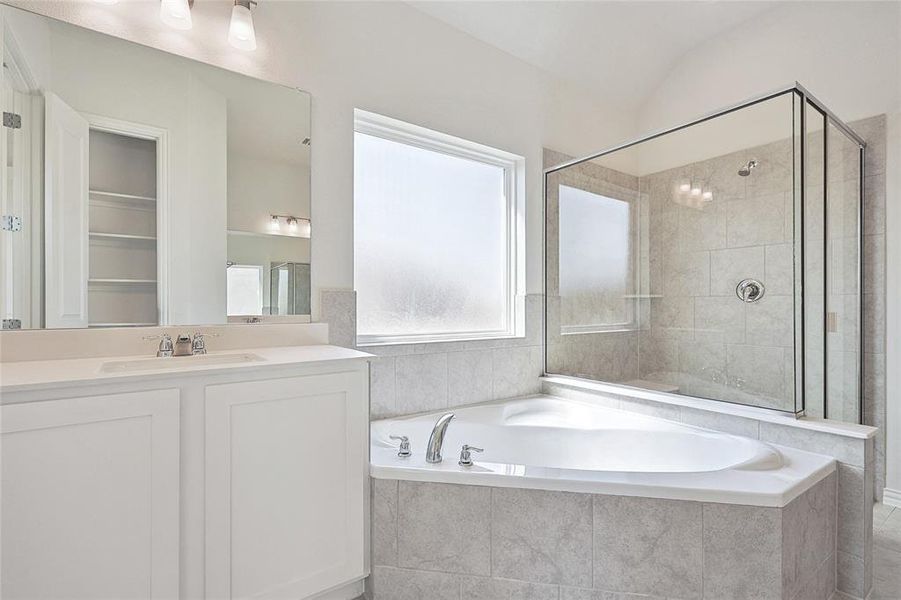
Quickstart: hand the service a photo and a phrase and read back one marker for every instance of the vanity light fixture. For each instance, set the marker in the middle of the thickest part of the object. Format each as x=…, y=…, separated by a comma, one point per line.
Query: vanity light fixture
x=176, y=13
x=297, y=226
x=240, y=30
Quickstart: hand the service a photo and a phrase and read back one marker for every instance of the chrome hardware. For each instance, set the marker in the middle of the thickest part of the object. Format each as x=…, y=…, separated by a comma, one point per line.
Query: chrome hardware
x=165, y=347
x=436, y=440
x=11, y=223
x=403, y=451
x=12, y=120
x=183, y=345
x=465, y=457
x=749, y=290
x=198, y=344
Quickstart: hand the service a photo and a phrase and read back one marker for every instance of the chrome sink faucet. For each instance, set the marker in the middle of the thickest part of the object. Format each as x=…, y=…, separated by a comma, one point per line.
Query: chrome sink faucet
x=436, y=440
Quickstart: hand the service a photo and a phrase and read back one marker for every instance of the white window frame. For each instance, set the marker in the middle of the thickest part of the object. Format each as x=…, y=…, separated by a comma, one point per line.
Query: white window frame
x=259, y=269
x=634, y=270
x=386, y=128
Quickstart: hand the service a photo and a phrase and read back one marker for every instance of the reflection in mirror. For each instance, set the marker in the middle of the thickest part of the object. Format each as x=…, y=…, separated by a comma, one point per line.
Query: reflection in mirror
x=141, y=188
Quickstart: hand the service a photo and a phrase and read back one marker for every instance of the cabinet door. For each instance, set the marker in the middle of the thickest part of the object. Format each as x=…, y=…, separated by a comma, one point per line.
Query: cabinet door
x=90, y=497
x=286, y=481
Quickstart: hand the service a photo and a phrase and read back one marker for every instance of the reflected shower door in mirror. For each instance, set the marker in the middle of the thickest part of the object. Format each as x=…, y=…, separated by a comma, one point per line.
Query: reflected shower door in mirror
x=677, y=263
x=134, y=179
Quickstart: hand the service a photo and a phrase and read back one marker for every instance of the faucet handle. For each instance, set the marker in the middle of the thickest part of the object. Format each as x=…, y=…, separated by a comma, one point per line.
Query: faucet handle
x=403, y=451
x=198, y=343
x=465, y=457
x=165, y=347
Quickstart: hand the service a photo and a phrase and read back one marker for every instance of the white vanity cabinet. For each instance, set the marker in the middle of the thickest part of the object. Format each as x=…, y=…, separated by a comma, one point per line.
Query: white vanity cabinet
x=224, y=482
x=286, y=465
x=90, y=502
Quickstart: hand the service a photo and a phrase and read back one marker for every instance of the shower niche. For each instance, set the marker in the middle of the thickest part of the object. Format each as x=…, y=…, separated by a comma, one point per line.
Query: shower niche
x=718, y=259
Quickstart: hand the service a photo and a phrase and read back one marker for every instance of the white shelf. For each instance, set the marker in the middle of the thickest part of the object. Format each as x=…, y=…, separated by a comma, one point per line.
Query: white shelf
x=114, y=195
x=121, y=236
x=123, y=281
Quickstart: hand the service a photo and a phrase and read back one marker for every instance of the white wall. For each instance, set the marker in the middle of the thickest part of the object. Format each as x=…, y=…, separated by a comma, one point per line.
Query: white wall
x=848, y=55
x=388, y=58
x=844, y=52
x=258, y=188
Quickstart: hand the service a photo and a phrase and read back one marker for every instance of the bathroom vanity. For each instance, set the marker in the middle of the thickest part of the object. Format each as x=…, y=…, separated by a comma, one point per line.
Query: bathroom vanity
x=237, y=473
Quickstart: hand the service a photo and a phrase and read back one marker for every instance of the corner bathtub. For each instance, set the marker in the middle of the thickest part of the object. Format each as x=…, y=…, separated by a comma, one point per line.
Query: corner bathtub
x=551, y=443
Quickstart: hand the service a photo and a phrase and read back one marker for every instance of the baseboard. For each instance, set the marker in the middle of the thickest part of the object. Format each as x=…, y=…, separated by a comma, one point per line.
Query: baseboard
x=891, y=497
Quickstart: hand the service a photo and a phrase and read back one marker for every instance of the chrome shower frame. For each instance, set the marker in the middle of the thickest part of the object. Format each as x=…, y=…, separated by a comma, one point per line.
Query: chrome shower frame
x=805, y=98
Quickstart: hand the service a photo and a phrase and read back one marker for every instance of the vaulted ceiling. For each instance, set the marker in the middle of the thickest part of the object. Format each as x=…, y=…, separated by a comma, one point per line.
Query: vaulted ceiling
x=621, y=50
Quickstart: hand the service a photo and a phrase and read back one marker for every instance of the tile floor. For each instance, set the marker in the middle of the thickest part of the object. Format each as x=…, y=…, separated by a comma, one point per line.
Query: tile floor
x=887, y=551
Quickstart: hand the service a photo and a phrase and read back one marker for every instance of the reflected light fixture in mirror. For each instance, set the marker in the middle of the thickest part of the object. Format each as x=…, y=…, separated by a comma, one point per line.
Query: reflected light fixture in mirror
x=176, y=14
x=240, y=30
x=297, y=226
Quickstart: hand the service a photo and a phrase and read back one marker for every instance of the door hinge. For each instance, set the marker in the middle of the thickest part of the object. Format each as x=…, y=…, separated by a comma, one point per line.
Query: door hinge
x=10, y=223
x=12, y=120
x=12, y=323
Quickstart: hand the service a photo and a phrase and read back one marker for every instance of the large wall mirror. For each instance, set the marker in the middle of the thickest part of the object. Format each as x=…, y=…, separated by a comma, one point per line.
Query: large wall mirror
x=141, y=188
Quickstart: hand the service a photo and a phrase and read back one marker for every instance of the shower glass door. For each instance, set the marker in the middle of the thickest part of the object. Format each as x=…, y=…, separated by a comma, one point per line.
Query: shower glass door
x=712, y=260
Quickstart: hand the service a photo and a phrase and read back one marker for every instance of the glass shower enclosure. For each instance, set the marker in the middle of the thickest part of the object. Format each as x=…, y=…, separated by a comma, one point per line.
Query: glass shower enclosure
x=718, y=259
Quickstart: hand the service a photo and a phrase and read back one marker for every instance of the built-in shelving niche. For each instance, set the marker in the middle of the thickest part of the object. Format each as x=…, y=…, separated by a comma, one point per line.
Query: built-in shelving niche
x=122, y=284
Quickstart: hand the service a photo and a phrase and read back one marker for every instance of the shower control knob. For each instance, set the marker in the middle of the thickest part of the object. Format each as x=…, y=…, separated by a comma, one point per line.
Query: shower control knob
x=465, y=456
x=749, y=290
x=403, y=450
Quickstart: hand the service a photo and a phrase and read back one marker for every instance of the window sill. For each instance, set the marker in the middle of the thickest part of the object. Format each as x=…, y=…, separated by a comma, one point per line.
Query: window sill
x=436, y=341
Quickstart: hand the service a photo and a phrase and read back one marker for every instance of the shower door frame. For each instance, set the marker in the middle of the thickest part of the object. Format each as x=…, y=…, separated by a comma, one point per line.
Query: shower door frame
x=804, y=97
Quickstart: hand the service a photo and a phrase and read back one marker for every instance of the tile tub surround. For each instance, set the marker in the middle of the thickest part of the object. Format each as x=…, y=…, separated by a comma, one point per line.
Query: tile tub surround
x=413, y=378
x=433, y=540
x=851, y=445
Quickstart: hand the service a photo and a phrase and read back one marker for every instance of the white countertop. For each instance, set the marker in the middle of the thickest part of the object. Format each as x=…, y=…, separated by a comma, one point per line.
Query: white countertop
x=47, y=374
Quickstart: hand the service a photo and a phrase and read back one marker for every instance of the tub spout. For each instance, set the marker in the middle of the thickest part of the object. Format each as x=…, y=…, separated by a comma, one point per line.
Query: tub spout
x=436, y=440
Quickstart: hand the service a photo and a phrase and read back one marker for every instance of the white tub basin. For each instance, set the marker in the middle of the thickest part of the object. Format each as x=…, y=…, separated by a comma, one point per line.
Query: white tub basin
x=551, y=443
x=176, y=363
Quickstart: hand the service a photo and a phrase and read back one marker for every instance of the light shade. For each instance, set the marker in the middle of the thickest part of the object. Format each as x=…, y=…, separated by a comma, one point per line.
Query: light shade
x=176, y=14
x=240, y=31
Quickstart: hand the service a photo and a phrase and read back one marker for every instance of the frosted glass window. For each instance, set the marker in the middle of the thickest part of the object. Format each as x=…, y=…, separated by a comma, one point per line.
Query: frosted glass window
x=595, y=261
x=432, y=243
x=245, y=290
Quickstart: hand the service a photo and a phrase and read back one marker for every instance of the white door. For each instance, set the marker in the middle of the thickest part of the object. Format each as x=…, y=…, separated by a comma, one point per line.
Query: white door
x=66, y=214
x=286, y=485
x=90, y=497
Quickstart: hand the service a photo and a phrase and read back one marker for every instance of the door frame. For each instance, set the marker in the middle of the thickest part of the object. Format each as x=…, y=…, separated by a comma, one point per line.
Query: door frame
x=162, y=140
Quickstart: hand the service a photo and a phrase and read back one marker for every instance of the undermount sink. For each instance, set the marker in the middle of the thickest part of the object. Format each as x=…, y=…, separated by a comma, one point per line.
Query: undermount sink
x=176, y=363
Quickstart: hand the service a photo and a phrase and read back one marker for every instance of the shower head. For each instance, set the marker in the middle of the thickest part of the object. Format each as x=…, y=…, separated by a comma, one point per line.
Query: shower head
x=746, y=169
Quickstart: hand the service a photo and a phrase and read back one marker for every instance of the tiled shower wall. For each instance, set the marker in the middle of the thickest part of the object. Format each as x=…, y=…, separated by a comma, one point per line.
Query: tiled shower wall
x=701, y=336
x=413, y=378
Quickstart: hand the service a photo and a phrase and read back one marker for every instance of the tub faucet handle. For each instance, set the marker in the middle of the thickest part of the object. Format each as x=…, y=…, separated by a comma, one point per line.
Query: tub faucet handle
x=465, y=456
x=403, y=450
